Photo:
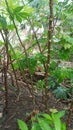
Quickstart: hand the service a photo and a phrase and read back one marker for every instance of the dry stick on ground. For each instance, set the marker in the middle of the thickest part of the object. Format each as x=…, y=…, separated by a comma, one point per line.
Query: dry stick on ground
x=23, y=48
x=49, y=48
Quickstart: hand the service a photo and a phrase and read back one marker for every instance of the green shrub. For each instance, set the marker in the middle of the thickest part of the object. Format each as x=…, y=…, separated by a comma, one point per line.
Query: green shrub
x=45, y=122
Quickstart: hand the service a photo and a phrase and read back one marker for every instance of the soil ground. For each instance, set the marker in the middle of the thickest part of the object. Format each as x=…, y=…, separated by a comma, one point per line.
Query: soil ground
x=20, y=109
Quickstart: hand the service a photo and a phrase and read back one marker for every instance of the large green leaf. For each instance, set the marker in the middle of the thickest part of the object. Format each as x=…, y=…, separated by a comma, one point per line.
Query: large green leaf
x=22, y=125
x=27, y=9
x=21, y=15
x=35, y=126
x=11, y=3
x=56, y=121
x=47, y=116
x=18, y=9
x=24, y=15
x=18, y=17
x=60, y=114
x=43, y=124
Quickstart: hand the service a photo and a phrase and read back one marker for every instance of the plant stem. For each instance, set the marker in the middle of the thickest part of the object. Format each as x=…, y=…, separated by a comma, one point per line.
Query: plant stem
x=5, y=68
x=40, y=50
x=26, y=54
x=48, y=54
x=70, y=113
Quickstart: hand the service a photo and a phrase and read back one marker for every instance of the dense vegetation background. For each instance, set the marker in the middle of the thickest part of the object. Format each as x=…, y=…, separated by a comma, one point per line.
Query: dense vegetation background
x=36, y=51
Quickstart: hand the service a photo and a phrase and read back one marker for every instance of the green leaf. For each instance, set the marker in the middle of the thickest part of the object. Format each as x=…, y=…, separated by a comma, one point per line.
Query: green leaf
x=47, y=116
x=3, y=22
x=63, y=126
x=41, y=57
x=43, y=124
x=11, y=3
x=18, y=9
x=67, y=46
x=27, y=9
x=21, y=15
x=56, y=121
x=22, y=125
x=18, y=17
x=60, y=114
x=53, y=64
x=61, y=93
x=32, y=62
x=10, y=27
x=35, y=126
x=18, y=64
x=24, y=14
x=40, y=84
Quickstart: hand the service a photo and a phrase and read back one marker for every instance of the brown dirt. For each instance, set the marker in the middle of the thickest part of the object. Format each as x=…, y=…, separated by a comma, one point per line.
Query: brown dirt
x=20, y=109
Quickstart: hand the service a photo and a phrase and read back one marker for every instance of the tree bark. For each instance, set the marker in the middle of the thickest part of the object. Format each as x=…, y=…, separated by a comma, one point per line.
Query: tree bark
x=49, y=48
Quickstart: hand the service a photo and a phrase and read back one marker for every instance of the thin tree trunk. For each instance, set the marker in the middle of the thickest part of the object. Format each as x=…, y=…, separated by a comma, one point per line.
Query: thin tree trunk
x=6, y=89
x=49, y=48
